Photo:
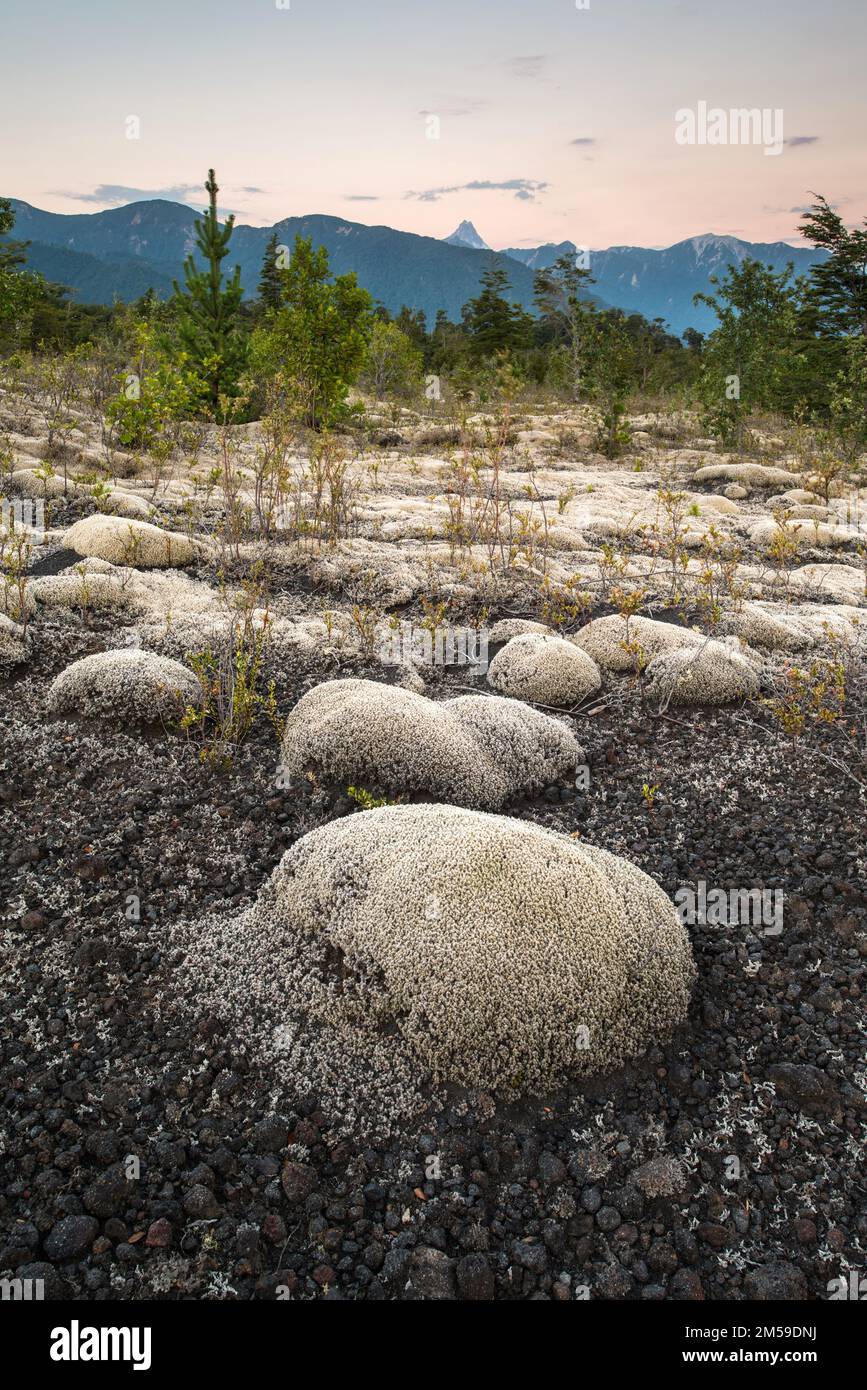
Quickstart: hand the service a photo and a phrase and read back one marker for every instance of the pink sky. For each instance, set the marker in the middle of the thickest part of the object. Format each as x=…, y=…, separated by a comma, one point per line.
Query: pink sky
x=554, y=123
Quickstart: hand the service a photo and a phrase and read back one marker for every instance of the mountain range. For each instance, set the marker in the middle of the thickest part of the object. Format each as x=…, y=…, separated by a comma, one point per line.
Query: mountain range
x=122, y=252
x=125, y=250
x=661, y=283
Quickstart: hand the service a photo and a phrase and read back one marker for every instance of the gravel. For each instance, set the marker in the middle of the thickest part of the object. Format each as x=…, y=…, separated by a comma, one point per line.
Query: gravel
x=146, y=1155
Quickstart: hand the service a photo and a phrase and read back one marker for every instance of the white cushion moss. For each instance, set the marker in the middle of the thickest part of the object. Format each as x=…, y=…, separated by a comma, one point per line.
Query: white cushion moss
x=295, y=647
x=750, y=474
x=793, y=627
x=14, y=644
x=125, y=685
x=794, y=497
x=828, y=622
x=507, y=628
x=192, y=633
x=476, y=750
x=129, y=542
x=607, y=640
x=90, y=591
x=14, y=604
x=724, y=506
x=802, y=512
x=545, y=669
x=24, y=482
x=130, y=504
x=683, y=667
x=808, y=533
x=843, y=583
x=484, y=950
x=713, y=673
x=764, y=625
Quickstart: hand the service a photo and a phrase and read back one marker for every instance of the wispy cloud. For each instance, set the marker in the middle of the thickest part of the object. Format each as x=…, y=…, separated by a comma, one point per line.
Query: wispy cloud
x=777, y=210
x=795, y=140
x=524, y=189
x=466, y=108
x=528, y=66
x=584, y=140
x=117, y=193
x=361, y=197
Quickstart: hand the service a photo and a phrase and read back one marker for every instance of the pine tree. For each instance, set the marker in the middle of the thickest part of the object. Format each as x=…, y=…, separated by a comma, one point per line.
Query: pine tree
x=208, y=311
x=494, y=325
x=754, y=358
x=560, y=292
x=609, y=375
x=838, y=284
x=19, y=290
x=413, y=324
x=270, y=283
x=11, y=252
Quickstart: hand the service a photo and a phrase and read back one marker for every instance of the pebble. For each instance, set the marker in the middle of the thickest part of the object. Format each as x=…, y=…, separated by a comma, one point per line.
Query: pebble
x=71, y=1237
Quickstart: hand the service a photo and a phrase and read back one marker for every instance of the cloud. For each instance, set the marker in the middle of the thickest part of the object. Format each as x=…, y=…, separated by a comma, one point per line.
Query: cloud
x=469, y=108
x=361, y=197
x=524, y=189
x=117, y=193
x=530, y=66
x=795, y=140
x=584, y=140
x=808, y=207
x=775, y=210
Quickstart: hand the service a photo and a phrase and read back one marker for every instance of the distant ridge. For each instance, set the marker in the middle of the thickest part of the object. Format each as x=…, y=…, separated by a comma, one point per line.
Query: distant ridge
x=120, y=253
x=542, y=257
x=661, y=283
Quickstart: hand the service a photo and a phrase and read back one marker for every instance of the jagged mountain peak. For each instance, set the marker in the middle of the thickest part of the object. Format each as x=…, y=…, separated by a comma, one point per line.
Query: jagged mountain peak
x=466, y=235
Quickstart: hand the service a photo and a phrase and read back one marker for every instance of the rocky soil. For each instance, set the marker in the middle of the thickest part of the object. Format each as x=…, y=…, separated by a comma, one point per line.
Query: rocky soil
x=148, y=1153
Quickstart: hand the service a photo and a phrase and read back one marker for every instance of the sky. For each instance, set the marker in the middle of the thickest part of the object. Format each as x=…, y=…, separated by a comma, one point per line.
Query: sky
x=537, y=120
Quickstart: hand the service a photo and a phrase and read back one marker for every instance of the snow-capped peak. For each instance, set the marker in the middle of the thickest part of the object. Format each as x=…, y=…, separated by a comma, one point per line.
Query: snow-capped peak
x=466, y=235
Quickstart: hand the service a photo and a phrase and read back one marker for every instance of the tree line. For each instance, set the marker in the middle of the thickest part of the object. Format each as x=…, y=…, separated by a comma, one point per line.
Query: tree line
x=796, y=347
